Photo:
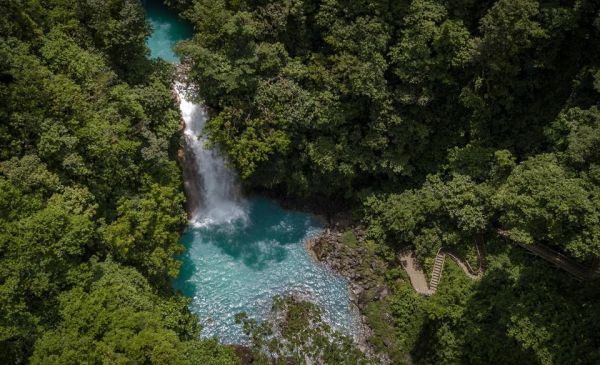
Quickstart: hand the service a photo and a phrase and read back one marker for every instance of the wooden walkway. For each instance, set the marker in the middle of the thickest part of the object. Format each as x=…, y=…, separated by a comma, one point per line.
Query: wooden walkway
x=418, y=279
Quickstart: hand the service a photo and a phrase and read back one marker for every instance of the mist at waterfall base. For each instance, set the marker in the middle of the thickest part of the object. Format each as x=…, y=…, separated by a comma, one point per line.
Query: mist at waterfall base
x=240, y=253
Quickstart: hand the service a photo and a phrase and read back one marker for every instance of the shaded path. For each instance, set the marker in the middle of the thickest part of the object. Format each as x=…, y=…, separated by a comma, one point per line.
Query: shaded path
x=558, y=259
x=417, y=276
x=415, y=272
x=418, y=279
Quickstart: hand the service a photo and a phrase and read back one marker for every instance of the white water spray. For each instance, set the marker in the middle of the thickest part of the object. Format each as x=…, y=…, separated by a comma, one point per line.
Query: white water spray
x=219, y=189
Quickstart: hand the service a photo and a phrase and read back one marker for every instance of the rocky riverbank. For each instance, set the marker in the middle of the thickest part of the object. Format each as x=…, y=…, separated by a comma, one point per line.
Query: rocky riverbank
x=347, y=251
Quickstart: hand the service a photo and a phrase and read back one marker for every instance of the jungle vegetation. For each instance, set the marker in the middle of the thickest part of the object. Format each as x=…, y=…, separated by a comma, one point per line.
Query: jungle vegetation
x=438, y=121
x=91, y=201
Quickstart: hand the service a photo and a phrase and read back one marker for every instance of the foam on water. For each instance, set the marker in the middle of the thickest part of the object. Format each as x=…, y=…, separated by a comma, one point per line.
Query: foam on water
x=221, y=202
x=240, y=266
x=240, y=252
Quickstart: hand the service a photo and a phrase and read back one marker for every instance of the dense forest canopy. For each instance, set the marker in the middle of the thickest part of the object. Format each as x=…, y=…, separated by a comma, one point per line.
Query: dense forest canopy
x=91, y=203
x=442, y=123
x=449, y=118
x=439, y=122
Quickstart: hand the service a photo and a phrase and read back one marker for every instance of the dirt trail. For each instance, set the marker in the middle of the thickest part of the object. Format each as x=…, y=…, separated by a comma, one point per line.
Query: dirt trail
x=415, y=272
x=418, y=279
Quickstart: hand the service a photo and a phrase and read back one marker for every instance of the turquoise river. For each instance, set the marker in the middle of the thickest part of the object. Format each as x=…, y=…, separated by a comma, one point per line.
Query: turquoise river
x=241, y=252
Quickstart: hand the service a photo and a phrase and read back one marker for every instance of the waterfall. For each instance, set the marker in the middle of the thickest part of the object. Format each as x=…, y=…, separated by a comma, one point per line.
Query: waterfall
x=212, y=187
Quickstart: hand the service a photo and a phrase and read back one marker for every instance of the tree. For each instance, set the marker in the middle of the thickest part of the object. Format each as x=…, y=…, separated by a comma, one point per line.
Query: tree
x=38, y=253
x=115, y=316
x=541, y=202
x=145, y=233
x=438, y=214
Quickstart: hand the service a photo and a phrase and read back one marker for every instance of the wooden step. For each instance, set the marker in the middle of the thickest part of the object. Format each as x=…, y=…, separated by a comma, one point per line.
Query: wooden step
x=438, y=266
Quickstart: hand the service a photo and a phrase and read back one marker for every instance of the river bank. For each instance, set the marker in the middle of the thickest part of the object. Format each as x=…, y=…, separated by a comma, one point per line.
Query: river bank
x=270, y=246
x=345, y=249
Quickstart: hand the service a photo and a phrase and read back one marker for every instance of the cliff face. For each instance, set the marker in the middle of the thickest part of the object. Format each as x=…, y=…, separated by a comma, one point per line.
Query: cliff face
x=191, y=179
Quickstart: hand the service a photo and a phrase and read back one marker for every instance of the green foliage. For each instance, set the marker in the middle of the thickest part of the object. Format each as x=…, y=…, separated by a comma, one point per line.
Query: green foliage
x=576, y=132
x=118, y=319
x=438, y=214
x=470, y=160
x=146, y=231
x=349, y=239
x=299, y=335
x=119, y=29
x=396, y=337
x=521, y=312
x=338, y=99
x=90, y=192
x=38, y=252
x=541, y=202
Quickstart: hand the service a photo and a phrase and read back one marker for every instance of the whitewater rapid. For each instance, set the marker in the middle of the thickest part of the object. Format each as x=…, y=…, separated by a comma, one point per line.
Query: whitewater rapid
x=240, y=253
x=219, y=195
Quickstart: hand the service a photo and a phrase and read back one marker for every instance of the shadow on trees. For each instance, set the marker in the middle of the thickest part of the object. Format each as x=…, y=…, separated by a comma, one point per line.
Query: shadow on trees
x=523, y=311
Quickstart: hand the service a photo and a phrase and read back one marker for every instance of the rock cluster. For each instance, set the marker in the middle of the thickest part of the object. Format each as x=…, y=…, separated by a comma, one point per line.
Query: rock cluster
x=363, y=269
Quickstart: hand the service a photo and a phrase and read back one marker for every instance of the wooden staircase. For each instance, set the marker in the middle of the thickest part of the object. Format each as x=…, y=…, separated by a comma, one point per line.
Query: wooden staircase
x=417, y=276
x=438, y=267
x=419, y=280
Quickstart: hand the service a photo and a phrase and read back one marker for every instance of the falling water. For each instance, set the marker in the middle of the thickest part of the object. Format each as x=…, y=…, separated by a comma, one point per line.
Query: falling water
x=240, y=253
x=214, y=191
